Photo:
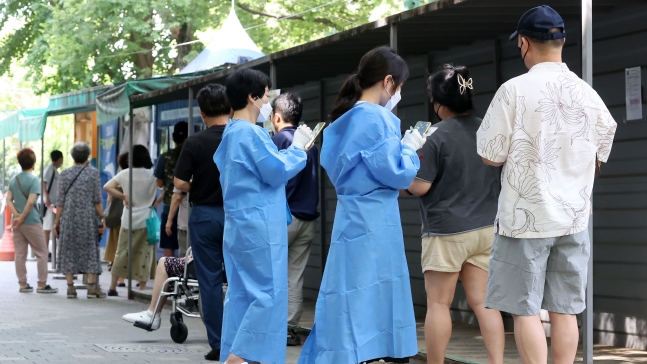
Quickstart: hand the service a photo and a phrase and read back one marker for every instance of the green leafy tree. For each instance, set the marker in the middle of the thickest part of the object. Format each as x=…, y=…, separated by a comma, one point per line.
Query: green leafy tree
x=70, y=45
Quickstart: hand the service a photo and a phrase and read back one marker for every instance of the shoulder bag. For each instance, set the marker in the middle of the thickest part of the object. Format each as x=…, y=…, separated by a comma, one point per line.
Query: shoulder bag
x=113, y=213
x=35, y=207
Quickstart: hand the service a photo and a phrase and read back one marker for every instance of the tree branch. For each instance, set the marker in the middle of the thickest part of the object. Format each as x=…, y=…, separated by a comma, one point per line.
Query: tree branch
x=287, y=17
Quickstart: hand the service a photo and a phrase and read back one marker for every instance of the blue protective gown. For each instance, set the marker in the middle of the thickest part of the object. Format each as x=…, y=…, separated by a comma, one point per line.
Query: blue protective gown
x=253, y=174
x=364, y=309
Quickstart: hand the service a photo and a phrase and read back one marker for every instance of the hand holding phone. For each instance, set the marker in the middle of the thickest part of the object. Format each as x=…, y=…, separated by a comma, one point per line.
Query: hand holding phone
x=315, y=133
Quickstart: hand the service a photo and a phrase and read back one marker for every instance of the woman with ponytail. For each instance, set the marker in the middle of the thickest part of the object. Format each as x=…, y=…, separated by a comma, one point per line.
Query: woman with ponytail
x=364, y=310
x=458, y=203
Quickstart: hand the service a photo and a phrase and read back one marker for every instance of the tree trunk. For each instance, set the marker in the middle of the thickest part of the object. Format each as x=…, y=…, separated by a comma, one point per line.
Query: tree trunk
x=184, y=35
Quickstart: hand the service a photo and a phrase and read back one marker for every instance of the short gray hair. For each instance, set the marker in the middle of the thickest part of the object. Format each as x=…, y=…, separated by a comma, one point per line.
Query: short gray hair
x=80, y=152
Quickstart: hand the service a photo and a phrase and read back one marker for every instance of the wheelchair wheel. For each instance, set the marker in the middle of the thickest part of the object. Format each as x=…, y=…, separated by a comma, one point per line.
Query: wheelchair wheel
x=179, y=332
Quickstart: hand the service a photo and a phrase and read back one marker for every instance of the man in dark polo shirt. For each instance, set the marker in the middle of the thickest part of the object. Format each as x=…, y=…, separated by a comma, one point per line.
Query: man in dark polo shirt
x=197, y=174
x=302, y=193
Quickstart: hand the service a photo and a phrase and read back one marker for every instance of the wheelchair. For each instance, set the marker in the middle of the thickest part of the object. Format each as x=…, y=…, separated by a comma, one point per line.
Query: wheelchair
x=184, y=294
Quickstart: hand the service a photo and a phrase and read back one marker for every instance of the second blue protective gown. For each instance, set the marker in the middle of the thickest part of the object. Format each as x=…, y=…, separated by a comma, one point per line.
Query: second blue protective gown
x=253, y=174
x=364, y=309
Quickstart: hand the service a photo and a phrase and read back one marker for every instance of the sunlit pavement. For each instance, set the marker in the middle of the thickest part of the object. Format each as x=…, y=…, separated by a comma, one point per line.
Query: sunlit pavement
x=50, y=328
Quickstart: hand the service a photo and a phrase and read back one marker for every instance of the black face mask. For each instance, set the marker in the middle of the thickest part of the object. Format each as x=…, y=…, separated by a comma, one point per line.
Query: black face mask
x=523, y=57
x=436, y=113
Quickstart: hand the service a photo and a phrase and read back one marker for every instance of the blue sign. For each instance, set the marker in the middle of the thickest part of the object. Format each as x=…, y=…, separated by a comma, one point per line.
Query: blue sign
x=107, y=159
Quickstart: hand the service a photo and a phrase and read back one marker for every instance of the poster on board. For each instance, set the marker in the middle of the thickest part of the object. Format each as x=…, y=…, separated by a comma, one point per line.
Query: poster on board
x=633, y=93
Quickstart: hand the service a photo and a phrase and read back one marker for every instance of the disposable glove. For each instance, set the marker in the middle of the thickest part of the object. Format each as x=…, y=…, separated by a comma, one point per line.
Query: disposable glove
x=302, y=137
x=413, y=139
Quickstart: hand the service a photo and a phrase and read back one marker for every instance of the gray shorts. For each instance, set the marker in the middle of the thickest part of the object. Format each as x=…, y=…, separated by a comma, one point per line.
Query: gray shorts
x=527, y=275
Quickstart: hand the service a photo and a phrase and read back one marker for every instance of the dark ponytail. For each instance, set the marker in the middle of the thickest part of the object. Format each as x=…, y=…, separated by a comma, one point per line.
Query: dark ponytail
x=444, y=87
x=373, y=68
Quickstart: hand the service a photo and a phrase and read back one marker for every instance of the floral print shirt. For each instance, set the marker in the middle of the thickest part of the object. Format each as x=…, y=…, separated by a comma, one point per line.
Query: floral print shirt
x=547, y=126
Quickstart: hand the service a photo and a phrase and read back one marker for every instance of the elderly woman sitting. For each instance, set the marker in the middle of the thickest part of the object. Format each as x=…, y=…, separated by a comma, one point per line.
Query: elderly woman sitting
x=79, y=205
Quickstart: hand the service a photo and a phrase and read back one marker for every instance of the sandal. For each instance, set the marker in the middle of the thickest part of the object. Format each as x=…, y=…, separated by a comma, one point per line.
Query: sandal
x=71, y=291
x=27, y=289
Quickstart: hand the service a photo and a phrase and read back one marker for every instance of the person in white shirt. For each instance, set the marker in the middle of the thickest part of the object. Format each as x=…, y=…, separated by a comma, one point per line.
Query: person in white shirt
x=50, y=192
x=549, y=130
x=179, y=206
x=144, y=193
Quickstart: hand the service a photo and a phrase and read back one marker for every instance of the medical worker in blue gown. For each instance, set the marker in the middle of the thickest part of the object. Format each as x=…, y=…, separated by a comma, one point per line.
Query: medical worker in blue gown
x=253, y=174
x=364, y=310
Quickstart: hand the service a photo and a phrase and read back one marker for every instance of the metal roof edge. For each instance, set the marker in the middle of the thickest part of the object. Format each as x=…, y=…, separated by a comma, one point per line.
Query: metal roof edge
x=198, y=80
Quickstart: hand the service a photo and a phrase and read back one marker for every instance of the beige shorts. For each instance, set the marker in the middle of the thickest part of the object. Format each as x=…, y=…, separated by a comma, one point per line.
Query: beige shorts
x=448, y=253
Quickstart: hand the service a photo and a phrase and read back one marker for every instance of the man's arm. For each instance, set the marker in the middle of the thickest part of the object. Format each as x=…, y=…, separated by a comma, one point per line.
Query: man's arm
x=175, y=206
x=490, y=163
x=45, y=194
x=181, y=185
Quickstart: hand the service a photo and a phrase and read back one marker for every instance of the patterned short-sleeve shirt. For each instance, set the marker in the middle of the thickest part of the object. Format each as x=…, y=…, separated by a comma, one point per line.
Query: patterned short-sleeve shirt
x=548, y=127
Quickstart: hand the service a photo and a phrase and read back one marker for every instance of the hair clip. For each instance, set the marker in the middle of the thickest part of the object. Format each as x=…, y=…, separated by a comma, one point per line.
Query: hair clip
x=464, y=84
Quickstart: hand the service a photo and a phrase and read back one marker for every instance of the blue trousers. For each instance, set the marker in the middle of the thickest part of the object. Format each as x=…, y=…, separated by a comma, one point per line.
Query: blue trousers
x=206, y=227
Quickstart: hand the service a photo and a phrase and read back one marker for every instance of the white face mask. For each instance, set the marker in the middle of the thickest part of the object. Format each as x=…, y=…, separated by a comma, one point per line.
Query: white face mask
x=393, y=101
x=266, y=110
x=395, y=98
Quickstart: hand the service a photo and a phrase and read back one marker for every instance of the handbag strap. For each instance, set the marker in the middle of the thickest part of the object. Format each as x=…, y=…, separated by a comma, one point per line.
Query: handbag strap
x=20, y=188
x=74, y=180
x=51, y=182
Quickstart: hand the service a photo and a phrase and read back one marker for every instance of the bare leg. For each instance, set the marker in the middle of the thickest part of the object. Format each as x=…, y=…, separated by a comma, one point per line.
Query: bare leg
x=142, y=285
x=475, y=283
x=160, y=277
x=531, y=339
x=120, y=281
x=565, y=337
x=440, y=287
x=113, y=283
x=70, y=278
x=92, y=278
x=169, y=252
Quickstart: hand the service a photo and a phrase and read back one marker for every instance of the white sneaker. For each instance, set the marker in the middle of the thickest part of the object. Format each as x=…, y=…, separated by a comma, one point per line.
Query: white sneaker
x=143, y=316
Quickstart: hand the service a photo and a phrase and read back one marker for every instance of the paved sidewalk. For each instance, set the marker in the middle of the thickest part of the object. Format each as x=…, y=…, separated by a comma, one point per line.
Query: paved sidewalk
x=49, y=328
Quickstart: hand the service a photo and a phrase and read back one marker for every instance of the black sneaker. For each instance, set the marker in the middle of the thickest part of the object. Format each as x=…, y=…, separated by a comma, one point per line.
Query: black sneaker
x=213, y=355
x=121, y=285
x=47, y=289
x=113, y=293
x=293, y=338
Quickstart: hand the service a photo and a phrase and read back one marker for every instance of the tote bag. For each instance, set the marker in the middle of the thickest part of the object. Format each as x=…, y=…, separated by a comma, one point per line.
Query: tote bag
x=153, y=227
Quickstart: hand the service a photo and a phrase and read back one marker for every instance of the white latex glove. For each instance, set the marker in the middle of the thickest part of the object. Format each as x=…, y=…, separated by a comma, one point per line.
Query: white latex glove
x=302, y=137
x=413, y=139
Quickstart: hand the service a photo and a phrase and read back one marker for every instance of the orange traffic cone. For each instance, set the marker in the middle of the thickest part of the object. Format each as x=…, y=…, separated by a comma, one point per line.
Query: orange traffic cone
x=7, y=251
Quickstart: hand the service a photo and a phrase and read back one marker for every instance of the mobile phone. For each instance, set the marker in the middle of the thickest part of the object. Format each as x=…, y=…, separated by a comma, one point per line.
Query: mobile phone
x=315, y=133
x=422, y=127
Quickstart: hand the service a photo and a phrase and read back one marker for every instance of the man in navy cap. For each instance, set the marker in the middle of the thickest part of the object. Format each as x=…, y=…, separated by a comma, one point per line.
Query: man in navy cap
x=549, y=130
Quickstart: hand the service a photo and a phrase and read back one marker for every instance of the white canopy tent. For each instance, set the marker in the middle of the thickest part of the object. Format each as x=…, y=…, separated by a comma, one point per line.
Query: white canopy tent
x=231, y=44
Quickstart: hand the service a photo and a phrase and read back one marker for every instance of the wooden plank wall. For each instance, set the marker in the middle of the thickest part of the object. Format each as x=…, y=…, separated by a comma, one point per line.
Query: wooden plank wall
x=620, y=196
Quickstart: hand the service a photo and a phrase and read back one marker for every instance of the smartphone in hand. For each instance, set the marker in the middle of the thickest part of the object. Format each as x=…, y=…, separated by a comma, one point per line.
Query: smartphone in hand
x=315, y=133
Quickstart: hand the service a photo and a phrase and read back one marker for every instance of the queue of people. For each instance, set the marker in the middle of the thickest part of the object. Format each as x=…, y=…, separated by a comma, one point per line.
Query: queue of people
x=504, y=201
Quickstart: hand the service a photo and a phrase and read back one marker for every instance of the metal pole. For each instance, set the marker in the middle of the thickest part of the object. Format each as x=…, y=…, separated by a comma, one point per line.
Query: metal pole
x=587, y=76
x=4, y=163
x=131, y=133
x=393, y=42
x=42, y=164
x=322, y=182
x=191, y=129
x=273, y=74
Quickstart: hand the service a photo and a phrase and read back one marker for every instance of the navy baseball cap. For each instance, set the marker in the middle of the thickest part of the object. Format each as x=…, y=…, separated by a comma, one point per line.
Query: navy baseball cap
x=181, y=129
x=537, y=22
